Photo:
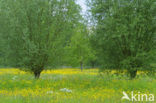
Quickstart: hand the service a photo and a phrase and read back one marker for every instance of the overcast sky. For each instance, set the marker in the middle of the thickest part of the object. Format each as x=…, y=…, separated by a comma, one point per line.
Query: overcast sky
x=82, y=4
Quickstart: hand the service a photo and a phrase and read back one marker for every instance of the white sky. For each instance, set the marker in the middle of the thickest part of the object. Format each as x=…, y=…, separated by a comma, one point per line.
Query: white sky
x=82, y=4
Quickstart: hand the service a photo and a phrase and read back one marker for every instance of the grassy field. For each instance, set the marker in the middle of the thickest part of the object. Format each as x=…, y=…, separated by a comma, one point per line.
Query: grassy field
x=70, y=86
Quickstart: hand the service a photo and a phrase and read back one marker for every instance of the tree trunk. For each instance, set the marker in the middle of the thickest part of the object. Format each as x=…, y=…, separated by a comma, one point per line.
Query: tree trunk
x=37, y=74
x=133, y=73
x=81, y=64
x=93, y=63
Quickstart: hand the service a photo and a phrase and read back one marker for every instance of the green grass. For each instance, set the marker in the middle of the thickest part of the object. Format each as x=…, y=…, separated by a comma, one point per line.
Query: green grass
x=86, y=88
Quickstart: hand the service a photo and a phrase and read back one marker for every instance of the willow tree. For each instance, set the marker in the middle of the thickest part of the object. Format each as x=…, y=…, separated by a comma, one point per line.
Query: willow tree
x=125, y=33
x=35, y=31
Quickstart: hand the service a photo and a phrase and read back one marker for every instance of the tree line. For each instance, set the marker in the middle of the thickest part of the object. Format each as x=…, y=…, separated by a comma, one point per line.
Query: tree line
x=36, y=34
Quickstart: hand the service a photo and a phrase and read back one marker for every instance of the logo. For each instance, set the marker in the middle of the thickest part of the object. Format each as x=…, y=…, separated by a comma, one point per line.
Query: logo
x=138, y=97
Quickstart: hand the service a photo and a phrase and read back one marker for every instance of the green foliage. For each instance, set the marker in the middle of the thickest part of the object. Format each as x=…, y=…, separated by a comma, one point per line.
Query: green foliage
x=36, y=31
x=125, y=33
x=36, y=34
x=79, y=50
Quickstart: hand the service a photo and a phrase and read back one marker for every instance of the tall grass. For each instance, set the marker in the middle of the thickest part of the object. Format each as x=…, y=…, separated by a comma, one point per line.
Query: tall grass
x=88, y=86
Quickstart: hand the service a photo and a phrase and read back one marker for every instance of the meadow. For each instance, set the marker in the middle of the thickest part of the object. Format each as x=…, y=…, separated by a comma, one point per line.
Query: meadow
x=71, y=86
